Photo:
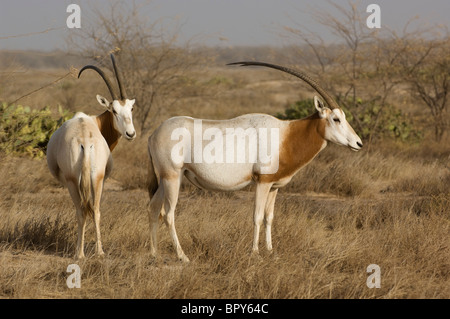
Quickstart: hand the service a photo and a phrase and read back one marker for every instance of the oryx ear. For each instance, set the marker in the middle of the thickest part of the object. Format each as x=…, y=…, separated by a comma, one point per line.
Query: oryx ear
x=103, y=101
x=320, y=106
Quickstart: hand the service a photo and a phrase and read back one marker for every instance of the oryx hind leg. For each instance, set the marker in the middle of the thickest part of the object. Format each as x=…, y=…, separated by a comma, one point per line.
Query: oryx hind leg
x=97, y=194
x=81, y=217
x=262, y=192
x=156, y=209
x=171, y=190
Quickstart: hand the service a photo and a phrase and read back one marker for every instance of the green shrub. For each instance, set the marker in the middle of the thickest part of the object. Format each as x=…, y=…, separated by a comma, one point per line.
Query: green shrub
x=388, y=122
x=26, y=131
x=298, y=110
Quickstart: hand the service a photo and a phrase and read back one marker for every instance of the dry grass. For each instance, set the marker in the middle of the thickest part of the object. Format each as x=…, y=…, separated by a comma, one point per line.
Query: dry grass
x=344, y=211
x=323, y=241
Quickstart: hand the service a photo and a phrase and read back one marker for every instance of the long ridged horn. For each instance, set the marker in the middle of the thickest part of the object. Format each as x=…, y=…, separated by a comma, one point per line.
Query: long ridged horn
x=104, y=77
x=119, y=78
x=305, y=77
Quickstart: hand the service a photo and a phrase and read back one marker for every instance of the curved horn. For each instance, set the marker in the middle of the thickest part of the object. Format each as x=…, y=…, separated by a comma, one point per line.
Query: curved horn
x=104, y=77
x=305, y=77
x=119, y=78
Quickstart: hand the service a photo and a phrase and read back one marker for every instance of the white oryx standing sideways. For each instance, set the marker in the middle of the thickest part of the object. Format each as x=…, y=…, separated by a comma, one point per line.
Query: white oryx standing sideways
x=79, y=154
x=299, y=142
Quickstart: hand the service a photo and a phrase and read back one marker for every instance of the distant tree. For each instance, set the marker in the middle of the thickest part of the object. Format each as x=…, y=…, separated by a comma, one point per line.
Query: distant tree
x=365, y=65
x=346, y=66
x=152, y=61
x=426, y=68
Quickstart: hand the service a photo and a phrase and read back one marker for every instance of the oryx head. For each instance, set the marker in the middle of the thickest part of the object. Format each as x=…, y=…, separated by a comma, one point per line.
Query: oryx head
x=337, y=129
x=121, y=107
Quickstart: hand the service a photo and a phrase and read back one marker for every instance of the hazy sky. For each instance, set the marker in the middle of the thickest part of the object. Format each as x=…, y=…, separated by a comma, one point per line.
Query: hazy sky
x=223, y=22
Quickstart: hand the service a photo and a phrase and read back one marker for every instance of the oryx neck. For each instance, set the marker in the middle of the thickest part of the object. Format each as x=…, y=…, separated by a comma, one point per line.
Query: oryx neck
x=105, y=122
x=307, y=138
x=311, y=128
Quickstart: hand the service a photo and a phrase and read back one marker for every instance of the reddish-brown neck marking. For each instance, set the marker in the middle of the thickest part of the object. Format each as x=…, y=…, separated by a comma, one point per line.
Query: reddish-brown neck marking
x=106, y=127
x=302, y=142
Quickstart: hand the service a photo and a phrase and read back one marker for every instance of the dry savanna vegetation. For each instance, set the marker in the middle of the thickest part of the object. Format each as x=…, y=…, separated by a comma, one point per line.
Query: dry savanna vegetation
x=388, y=204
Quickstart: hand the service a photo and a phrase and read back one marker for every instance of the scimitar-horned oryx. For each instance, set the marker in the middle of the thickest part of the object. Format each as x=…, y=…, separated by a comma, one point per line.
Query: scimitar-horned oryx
x=79, y=153
x=293, y=144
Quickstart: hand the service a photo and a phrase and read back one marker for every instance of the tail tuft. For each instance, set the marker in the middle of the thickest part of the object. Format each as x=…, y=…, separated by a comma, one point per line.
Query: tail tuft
x=85, y=184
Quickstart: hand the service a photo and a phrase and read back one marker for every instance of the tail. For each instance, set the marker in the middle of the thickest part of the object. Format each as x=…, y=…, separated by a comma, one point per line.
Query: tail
x=85, y=184
x=152, y=179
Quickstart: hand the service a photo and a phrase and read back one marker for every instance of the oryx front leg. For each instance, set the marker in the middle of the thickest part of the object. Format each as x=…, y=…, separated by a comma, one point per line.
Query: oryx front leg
x=171, y=189
x=262, y=192
x=268, y=217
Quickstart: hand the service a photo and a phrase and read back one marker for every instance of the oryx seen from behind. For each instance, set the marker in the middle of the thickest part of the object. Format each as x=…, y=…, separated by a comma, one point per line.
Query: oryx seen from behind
x=79, y=153
x=299, y=142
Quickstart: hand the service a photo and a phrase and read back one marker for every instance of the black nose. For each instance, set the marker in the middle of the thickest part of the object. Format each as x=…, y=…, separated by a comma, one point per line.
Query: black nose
x=359, y=144
x=131, y=135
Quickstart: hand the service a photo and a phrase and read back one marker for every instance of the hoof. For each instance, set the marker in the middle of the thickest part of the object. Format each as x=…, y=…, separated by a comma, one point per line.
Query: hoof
x=79, y=257
x=100, y=255
x=184, y=259
x=255, y=256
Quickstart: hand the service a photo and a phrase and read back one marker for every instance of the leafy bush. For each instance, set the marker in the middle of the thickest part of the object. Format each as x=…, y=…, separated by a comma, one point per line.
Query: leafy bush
x=26, y=131
x=371, y=119
x=387, y=121
x=298, y=110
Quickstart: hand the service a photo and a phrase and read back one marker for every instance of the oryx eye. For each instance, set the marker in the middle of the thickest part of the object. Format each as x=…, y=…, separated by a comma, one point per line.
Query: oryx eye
x=132, y=109
x=114, y=112
x=337, y=120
